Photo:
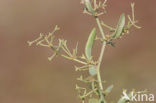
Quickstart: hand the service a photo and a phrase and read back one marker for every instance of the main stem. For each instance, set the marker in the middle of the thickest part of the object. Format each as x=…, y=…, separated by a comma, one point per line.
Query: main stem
x=101, y=54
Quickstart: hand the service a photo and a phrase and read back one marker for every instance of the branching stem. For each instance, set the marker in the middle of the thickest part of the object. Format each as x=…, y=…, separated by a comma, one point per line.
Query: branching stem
x=70, y=58
x=100, y=28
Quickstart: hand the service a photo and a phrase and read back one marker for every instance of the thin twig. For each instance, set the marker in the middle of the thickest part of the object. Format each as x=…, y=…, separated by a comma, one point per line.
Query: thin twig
x=101, y=54
x=69, y=58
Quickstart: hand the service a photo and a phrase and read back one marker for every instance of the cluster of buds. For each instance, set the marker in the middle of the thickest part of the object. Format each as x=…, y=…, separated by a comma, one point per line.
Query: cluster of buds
x=47, y=41
x=92, y=7
x=121, y=29
x=61, y=49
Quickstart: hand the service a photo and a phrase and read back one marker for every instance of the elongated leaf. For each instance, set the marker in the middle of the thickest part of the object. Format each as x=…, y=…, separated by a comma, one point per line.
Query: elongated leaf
x=120, y=26
x=90, y=42
x=108, y=90
x=89, y=6
x=126, y=97
x=122, y=100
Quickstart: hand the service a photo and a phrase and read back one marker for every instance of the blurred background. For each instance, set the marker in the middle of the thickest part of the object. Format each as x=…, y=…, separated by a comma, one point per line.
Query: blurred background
x=26, y=75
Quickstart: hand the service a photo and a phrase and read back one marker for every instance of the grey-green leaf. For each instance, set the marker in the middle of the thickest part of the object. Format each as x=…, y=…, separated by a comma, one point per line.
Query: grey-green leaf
x=93, y=100
x=89, y=6
x=90, y=42
x=92, y=70
x=122, y=100
x=126, y=97
x=120, y=26
x=108, y=90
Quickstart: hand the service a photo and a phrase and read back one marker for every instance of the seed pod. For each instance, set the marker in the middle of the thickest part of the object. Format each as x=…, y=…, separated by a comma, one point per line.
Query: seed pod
x=120, y=27
x=89, y=44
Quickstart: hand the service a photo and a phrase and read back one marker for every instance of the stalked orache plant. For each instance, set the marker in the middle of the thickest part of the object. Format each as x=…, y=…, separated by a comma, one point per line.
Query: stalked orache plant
x=94, y=92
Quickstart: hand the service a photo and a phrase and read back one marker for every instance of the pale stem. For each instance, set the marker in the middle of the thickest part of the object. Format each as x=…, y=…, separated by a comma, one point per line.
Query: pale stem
x=70, y=58
x=100, y=28
x=99, y=64
x=101, y=54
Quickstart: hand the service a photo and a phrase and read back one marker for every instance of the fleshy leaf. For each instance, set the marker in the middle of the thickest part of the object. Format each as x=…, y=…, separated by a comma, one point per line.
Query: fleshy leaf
x=120, y=26
x=93, y=100
x=89, y=44
x=108, y=90
x=92, y=70
x=89, y=6
x=126, y=97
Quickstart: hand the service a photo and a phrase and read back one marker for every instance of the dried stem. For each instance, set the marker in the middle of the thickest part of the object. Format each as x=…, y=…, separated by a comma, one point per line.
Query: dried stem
x=70, y=58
